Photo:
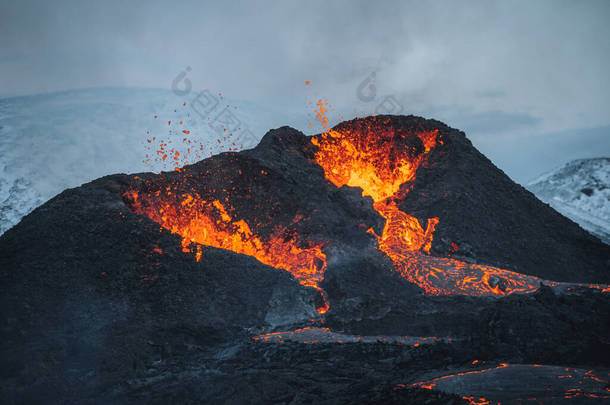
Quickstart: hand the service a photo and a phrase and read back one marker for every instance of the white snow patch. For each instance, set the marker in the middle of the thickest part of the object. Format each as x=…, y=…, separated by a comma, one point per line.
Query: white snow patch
x=579, y=190
x=51, y=142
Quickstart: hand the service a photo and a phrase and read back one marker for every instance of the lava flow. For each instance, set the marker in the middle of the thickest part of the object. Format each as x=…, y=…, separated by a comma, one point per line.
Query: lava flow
x=309, y=335
x=208, y=223
x=371, y=154
x=521, y=383
x=383, y=162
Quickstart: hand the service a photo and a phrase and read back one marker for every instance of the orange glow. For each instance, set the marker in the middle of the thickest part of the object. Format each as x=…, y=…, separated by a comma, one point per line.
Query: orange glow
x=402, y=231
x=369, y=159
x=325, y=307
x=476, y=401
x=209, y=223
x=584, y=384
x=311, y=334
x=383, y=162
x=370, y=154
x=430, y=384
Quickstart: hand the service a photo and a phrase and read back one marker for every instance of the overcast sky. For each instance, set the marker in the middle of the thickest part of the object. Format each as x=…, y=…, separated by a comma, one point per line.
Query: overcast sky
x=527, y=81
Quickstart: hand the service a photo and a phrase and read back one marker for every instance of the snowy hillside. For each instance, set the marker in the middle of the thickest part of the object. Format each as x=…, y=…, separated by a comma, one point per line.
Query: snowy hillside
x=51, y=142
x=580, y=190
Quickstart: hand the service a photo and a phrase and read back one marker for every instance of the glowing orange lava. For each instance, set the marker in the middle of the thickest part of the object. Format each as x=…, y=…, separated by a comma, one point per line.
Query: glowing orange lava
x=209, y=223
x=311, y=334
x=383, y=162
x=371, y=154
x=577, y=383
x=374, y=163
x=472, y=400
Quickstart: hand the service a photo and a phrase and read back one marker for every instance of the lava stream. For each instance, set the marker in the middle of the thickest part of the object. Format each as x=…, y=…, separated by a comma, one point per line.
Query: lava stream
x=383, y=162
x=209, y=223
x=521, y=383
x=310, y=335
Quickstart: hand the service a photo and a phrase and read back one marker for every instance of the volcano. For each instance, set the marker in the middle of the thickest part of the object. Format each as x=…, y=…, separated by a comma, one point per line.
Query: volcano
x=346, y=266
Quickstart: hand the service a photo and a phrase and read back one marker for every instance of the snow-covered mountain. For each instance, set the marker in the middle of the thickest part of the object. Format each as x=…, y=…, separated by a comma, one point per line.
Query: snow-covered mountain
x=580, y=190
x=51, y=142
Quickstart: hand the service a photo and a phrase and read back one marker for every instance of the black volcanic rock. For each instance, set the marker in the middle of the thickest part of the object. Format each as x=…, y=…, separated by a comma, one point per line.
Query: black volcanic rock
x=100, y=304
x=92, y=291
x=495, y=221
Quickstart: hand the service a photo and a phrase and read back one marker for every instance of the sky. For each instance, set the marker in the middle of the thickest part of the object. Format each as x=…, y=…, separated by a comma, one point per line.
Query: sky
x=527, y=81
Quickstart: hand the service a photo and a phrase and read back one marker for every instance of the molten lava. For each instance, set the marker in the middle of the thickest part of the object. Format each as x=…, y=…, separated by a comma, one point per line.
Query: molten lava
x=325, y=335
x=383, y=162
x=208, y=223
x=371, y=154
x=380, y=161
x=545, y=383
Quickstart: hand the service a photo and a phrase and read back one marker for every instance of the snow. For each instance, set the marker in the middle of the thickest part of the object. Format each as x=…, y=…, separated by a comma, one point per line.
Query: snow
x=51, y=142
x=579, y=190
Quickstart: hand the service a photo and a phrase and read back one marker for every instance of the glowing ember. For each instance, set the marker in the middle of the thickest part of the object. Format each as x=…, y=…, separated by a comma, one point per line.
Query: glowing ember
x=180, y=146
x=431, y=384
x=472, y=400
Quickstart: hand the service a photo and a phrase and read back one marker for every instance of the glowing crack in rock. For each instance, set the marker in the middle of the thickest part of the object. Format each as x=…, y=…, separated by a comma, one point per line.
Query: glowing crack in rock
x=324, y=335
x=521, y=383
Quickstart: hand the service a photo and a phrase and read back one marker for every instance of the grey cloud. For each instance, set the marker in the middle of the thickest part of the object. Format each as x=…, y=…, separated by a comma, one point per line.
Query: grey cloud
x=486, y=122
x=525, y=157
x=491, y=94
x=524, y=66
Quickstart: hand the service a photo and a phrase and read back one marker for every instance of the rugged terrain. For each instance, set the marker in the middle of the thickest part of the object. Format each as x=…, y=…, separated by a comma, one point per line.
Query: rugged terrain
x=164, y=288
